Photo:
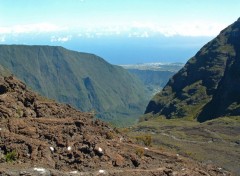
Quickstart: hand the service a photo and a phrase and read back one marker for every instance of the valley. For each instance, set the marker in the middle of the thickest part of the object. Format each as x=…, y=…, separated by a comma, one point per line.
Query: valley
x=154, y=75
x=64, y=112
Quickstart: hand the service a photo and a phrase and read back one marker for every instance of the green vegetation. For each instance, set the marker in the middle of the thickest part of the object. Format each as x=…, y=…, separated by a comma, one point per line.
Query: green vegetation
x=139, y=152
x=154, y=80
x=19, y=113
x=83, y=80
x=145, y=139
x=109, y=135
x=11, y=156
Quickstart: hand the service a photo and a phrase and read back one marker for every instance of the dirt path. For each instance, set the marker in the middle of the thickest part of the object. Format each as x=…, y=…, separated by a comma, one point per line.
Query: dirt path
x=183, y=140
x=217, y=137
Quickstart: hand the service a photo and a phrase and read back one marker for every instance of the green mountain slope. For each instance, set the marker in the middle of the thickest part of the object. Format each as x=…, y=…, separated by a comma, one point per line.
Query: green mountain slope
x=208, y=85
x=83, y=80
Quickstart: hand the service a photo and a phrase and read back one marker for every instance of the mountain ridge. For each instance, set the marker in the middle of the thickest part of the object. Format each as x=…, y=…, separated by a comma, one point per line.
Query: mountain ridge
x=192, y=92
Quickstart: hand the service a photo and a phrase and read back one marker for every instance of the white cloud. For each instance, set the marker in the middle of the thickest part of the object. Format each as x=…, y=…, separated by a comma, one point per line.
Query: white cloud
x=147, y=29
x=200, y=28
x=134, y=29
x=193, y=30
x=61, y=39
x=31, y=28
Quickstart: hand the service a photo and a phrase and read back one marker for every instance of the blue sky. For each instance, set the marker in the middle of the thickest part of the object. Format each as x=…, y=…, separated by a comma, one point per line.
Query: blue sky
x=92, y=14
x=65, y=22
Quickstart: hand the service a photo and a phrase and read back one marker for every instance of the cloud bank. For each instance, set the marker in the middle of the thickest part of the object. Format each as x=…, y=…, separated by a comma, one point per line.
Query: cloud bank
x=135, y=29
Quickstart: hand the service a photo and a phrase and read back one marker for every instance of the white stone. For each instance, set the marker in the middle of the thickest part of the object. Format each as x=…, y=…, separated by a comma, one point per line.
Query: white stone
x=73, y=172
x=102, y=171
x=146, y=148
x=40, y=169
x=100, y=149
x=69, y=148
x=52, y=149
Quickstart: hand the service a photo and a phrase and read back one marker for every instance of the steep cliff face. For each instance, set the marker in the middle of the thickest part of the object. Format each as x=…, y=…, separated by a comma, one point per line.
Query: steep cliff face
x=207, y=86
x=226, y=99
x=83, y=80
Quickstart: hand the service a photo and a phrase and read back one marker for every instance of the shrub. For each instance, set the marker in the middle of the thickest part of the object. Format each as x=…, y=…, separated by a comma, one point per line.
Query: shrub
x=11, y=156
x=124, y=130
x=19, y=113
x=146, y=139
x=139, y=152
x=109, y=135
x=189, y=153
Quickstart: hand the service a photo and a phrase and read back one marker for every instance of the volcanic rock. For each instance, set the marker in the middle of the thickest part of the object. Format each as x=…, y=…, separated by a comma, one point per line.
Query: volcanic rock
x=47, y=138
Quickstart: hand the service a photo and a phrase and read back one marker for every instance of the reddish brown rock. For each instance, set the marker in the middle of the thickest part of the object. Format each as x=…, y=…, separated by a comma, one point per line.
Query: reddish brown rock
x=57, y=139
x=118, y=161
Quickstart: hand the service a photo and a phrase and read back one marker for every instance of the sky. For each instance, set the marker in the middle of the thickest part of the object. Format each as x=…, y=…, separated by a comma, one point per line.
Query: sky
x=120, y=31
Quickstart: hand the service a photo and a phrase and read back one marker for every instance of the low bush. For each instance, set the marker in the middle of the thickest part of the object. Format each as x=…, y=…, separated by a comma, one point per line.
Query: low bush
x=11, y=156
x=146, y=139
x=109, y=135
x=139, y=152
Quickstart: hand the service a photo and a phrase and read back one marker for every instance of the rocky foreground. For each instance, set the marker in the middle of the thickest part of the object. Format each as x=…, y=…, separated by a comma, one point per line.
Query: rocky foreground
x=41, y=137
